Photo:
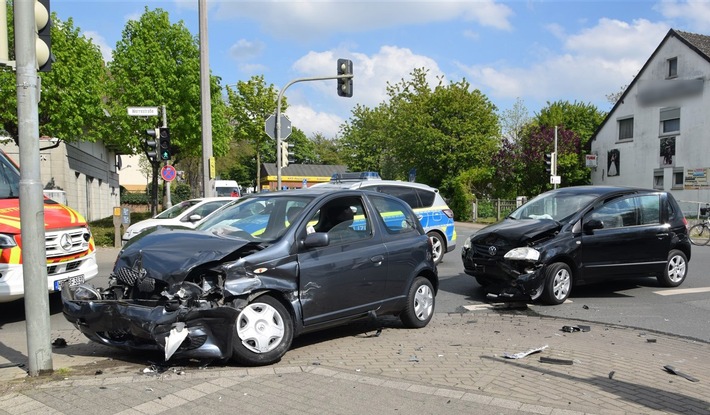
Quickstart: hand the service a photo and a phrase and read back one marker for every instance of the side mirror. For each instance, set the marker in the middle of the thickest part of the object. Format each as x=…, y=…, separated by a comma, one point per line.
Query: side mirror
x=316, y=239
x=593, y=224
x=194, y=218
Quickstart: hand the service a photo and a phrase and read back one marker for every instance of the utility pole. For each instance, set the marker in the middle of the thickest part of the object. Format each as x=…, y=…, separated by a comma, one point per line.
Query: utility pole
x=207, y=159
x=34, y=255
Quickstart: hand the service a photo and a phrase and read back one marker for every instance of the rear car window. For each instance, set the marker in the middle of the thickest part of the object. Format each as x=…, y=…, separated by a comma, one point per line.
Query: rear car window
x=395, y=215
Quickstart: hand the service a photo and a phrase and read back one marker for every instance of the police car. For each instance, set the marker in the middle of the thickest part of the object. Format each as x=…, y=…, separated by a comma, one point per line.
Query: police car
x=434, y=214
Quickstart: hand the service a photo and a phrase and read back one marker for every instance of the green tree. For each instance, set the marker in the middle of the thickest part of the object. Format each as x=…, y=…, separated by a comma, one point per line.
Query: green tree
x=445, y=133
x=326, y=150
x=250, y=104
x=156, y=63
x=71, y=104
x=304, y=150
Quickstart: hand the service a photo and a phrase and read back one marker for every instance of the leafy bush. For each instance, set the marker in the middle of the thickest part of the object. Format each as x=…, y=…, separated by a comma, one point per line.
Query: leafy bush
x=103, y=229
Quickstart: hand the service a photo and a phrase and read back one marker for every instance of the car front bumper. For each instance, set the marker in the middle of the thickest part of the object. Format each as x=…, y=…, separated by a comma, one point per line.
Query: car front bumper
x=146, y=326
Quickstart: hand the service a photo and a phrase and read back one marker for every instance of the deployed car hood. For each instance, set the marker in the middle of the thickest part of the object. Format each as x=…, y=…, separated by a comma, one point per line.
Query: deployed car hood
x=518, y=231
x=162, y=252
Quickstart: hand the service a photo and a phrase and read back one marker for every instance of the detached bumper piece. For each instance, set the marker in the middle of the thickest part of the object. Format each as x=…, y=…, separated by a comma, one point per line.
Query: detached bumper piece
x=145, y=326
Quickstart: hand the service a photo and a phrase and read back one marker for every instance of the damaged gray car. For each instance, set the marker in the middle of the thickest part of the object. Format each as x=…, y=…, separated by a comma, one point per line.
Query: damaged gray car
x=576, y=235
x=259, y=273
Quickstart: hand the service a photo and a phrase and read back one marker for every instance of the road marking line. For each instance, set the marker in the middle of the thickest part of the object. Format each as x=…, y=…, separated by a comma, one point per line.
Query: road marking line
x=683, y=291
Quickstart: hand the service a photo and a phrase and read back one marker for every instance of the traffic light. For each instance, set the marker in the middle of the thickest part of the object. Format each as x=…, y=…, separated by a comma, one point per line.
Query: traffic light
x=164, y=141
x=345, y=85
x=551, y=163
x=285, y=153
x=151, y=144
x=43, y=42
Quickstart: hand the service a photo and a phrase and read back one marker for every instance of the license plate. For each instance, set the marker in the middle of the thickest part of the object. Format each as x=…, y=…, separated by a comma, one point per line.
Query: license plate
x=76, y=280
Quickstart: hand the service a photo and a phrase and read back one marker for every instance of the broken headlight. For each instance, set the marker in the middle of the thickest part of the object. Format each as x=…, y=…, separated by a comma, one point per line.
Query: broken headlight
x=86, y=292
x=523, y=254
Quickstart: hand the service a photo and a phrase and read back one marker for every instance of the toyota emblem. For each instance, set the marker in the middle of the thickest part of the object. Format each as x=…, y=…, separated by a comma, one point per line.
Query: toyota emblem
x=492, y=250
x=65, y=242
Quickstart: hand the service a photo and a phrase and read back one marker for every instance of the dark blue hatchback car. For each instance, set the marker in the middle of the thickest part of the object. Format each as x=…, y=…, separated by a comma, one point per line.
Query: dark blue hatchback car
x=259, y=272
x=578, y=235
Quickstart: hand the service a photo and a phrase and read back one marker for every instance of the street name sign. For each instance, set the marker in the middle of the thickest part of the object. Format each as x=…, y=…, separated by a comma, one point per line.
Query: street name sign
x=142, y=111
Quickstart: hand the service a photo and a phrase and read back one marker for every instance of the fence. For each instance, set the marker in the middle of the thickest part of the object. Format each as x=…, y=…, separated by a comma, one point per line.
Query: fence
x=495, y=208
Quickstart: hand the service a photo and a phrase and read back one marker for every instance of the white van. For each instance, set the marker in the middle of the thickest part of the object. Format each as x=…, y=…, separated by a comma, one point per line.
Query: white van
x=227, y=188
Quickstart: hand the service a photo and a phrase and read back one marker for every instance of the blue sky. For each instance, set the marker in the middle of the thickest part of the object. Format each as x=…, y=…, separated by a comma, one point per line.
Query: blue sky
x=536, y=51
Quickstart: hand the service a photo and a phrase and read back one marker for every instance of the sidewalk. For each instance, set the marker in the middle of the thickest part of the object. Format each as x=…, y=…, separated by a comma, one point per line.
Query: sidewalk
x=454, y=365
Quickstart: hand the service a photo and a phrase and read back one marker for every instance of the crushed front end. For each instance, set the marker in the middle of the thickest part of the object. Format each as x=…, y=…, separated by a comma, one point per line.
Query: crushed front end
x=161, y=299
x=507, y=260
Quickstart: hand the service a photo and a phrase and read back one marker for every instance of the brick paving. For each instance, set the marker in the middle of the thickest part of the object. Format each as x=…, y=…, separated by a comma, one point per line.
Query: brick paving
x=454, y=365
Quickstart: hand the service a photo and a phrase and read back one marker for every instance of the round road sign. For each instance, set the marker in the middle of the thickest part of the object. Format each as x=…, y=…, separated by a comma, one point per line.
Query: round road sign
x=168, y=173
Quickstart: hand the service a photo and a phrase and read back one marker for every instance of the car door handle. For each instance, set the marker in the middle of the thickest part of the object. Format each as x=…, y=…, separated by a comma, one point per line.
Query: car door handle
x=661, y=235
x=377, y=259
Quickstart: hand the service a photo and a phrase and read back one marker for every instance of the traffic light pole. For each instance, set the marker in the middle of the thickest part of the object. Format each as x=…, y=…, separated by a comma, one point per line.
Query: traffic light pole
x=277, y=129
x=554, y=161
x=168, y=200
x=34, y=255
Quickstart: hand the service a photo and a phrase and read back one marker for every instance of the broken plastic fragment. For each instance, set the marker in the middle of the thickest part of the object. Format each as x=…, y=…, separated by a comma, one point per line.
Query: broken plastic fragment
x=671, y=369
x=554, y=361
x=175, y=339
x=520, y=355
x=570, y=329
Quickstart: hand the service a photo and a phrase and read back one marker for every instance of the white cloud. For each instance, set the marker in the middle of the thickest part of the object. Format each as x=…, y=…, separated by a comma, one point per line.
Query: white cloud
x=371, y=75
x=313, y=19
x=244, y=50
x=100, y=41
x=596, y=61
x=312, y=122
x=695, y=12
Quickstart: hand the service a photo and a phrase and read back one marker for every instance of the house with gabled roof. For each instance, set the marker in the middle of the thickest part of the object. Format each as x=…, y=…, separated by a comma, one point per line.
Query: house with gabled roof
x=657, y=135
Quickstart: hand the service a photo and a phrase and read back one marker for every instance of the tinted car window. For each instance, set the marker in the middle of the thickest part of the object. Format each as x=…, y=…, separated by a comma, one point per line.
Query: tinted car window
x=206, y=209
x=409, y=195
x=395, y=215
x=650, y=206
x=426, y=197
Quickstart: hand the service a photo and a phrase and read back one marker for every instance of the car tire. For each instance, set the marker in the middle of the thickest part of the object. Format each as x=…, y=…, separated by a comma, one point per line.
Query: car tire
x=438, y=246
x=263, y=332
x=420, y=304
x=558, y=284
x=676, y=269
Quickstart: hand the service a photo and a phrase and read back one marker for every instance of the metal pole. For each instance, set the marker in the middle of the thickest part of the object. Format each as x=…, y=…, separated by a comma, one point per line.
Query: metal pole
x=554, y=162
x=207, y=180
x=168, y=200
x=34, y=255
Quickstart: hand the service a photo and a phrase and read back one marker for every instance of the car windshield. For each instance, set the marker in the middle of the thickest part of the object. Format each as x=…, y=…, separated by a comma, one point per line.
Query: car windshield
x=258, y=218
x=556, y=206
x=176, y=210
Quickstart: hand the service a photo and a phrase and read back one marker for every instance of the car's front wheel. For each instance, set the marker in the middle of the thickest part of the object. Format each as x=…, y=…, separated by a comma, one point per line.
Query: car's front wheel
x=264, y=331
x=676, y=269
x=558, y=284
x=420, y=304
x=438, y=246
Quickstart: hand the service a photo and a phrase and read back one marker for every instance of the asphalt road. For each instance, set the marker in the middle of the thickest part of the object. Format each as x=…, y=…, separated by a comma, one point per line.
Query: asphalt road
x=638, y=303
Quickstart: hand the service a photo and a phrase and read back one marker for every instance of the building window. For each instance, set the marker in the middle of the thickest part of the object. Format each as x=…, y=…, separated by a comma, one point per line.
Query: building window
x=672, y=68
x=678, y=178
x=658, y=179
x=626, y=129
x=670, y=121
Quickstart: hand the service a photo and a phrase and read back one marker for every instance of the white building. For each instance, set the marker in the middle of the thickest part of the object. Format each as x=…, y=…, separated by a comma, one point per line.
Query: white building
x=85, y=172
x=658, y=133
